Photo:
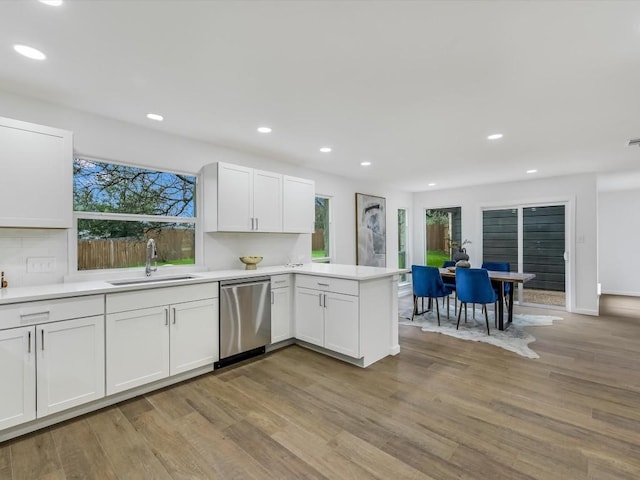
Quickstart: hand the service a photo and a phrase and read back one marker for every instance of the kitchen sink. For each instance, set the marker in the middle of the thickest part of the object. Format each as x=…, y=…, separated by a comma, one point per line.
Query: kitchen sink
x=139, y=281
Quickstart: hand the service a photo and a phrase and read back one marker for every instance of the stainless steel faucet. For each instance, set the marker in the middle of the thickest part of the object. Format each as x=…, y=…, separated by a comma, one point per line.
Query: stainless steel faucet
x=152, y=254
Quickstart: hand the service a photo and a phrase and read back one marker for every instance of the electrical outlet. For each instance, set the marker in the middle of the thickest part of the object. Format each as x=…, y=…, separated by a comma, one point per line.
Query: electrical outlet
x=41, y=264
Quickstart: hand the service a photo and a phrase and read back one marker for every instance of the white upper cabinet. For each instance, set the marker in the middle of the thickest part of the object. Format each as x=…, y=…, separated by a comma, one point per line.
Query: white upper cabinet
x=298, y=205
x=242, y=199
x=37, y=177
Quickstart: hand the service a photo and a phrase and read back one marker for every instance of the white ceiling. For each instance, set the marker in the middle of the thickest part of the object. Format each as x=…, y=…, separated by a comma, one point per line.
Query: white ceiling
x=414, y=87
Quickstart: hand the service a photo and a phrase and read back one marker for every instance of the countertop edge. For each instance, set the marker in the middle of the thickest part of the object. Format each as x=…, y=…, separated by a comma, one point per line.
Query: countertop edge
x=12, y=295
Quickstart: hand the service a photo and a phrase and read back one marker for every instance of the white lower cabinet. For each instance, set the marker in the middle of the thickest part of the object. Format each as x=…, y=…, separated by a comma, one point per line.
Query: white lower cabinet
x=137, y=348
x=17, y=376
x=70, y=363
x=64, y=359
x=281, y=321
x=341, y=324
x=328, y=318
x=193, y=335
x=155, y=342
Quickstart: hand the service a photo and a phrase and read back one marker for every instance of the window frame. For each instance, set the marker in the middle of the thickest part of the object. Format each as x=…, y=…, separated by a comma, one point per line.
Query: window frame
x=195, y=220
x=331, y=237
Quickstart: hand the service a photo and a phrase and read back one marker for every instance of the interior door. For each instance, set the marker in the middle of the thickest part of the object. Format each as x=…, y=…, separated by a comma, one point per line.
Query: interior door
x=531, y=239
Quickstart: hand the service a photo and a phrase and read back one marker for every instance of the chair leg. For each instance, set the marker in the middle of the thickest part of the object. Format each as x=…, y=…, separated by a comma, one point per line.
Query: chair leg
x=460, y=313
x=486, y=317
x=437, y=311
x=474, y=311
x=465, y=311
x=448, y=307
x=415, y=307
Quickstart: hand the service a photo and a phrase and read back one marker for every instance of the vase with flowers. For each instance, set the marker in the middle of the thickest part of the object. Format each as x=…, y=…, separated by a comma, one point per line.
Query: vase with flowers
x=459, y=254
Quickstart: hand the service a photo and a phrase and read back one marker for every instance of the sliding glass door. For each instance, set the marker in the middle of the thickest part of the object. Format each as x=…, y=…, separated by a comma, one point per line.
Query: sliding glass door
x=543, y=240
x=500, y=238
x=532, y=240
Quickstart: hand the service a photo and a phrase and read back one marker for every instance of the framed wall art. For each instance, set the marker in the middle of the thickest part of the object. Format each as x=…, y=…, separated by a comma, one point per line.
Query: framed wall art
x=371, y=230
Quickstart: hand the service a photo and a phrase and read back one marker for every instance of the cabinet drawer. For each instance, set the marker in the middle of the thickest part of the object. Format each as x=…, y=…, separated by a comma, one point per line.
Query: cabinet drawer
x=328, y=284
x=32, y=313
x=280, y=281
x=138, y=299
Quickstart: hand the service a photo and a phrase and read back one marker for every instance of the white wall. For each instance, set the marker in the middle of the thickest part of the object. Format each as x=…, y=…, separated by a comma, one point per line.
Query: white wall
x=619, y=234
x=579, y=191
x=107, y=139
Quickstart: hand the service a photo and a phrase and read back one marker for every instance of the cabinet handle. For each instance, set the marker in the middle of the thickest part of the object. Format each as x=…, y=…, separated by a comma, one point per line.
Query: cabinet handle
x=323, y=284
x=174, y=315
x=35, y=314
x=166, y=316
x=257, y=227
x=253, y=223
x=273, y=298
x=325, y=300
x=29, y=349
x=42, y=336
x=320, y=299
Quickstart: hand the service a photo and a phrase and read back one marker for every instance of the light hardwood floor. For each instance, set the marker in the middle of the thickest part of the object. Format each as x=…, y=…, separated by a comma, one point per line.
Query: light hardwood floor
x=442, y=409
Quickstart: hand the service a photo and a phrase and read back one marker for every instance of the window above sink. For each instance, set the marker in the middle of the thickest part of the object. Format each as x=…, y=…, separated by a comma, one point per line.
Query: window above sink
x=118, y=208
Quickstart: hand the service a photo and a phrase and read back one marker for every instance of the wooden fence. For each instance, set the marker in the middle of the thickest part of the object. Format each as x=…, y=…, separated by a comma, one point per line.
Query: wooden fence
x=317, y=240
x=437, y=237
x=172, y=246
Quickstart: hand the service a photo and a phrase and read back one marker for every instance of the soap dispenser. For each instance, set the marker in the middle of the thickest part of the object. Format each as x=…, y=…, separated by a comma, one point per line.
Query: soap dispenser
x=3, y=282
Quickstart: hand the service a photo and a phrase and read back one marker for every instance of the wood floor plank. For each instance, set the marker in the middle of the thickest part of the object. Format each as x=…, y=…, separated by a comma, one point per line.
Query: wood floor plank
x=225, y=457
x=35, y=456
x=277, y=460
x=127, y=450
x=5, y=462
x=171, y=448
x=81, y=455
x=374, y=460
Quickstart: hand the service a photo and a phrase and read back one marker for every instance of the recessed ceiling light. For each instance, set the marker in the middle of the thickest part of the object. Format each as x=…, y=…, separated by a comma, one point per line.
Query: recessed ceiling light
x=52, y=3
x=532, y=171
x=264, y=129
x=365, y=164
x=155, y=116
x=495, y=136
x=29, y=52
x=431, y=184
x=325, y=149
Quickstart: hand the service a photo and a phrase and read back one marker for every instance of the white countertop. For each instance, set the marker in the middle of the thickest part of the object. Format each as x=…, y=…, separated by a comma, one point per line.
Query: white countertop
x=73, y=289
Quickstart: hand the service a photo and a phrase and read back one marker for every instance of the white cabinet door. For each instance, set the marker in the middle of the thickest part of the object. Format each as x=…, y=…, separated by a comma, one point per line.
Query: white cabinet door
x=309, y=316
x=137, y=348
x=281, y=314
x=235, y=198
x=17, y=376
x=298, y=205
x=267, y=201
x=35, y=161
x=341, y=324
x=194, y=335
x=70, y=364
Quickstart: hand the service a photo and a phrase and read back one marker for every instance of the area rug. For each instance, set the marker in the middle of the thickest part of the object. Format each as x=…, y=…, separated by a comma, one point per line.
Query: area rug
x=514, y=338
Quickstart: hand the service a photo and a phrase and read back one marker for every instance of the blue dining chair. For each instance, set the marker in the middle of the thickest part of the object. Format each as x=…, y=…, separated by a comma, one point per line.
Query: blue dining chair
x=451, y=283
x=500, y=267
x=473, y=286
x=427, y=283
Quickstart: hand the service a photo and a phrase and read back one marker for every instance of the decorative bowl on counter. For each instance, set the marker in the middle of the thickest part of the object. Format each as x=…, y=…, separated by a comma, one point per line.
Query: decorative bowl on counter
x=250, y=262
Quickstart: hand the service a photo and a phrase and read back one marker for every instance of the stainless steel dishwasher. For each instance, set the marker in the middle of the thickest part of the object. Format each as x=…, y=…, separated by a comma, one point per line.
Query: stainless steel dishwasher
x=245, y=319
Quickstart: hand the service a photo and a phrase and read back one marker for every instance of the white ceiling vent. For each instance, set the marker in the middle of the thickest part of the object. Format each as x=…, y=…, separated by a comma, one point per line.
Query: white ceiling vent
x=634, y=142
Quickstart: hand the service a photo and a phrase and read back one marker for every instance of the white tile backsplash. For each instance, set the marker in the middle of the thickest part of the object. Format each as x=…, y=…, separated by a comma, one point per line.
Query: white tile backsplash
x=17, y=244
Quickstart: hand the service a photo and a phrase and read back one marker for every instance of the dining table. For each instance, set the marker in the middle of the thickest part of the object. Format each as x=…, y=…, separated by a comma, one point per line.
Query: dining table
x=499, y=280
